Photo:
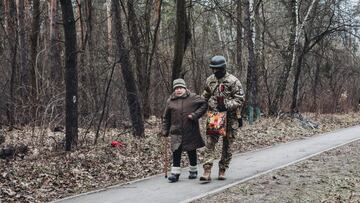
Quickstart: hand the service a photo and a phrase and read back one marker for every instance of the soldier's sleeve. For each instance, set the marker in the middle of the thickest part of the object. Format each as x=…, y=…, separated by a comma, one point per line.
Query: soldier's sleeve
x=237, y=96
x=166, y=119
x=202, y=107
x=207, y=95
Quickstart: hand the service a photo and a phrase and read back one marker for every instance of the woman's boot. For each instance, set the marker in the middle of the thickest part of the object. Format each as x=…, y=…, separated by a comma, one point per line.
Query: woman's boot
x=193, y=172
x=173, y=178
x=175, y=173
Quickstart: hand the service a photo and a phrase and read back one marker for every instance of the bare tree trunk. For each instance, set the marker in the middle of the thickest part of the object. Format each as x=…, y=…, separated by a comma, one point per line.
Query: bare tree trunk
x=135, y=42
x=251, y=92
x=11, y=114
x=109, y=29
x=182, y=37
x=1, y=15
x=219, y=29
x=259, y=50
x=10, y=23
x=89, y=52
x=80, y=25
x=156, y=34
x=154, y=62
x=88, y=25
x=305, y=49
x=258, y=34
x=71, y=79
x=264, y=69
x=122, y=55
x=284, y=75
x=195, y=70
x=104, y=104
x=294, y=103
x=142, y=68
x=239, y=34
x=54, y=58
x=84, y=108
x=35, y=27
x=316, y=84
x=24, y=69
x=147, y=66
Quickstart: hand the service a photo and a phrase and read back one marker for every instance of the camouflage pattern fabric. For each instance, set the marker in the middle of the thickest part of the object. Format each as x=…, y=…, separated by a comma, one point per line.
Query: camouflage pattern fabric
x=226, y=153
x=232, y=95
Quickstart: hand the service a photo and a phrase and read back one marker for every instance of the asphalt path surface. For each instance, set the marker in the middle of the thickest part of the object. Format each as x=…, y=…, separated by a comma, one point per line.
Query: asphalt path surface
x=243, y=167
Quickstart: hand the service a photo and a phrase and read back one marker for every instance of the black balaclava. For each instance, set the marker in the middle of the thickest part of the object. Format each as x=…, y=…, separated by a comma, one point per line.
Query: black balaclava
x=220, y=73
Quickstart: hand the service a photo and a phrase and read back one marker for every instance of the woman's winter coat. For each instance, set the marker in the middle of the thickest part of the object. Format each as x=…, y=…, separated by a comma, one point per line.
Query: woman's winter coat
x=179, y=126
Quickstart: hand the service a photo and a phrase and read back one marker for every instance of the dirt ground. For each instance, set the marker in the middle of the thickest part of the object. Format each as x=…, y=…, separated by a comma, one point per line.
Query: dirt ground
x=47, y=172
x=332, y=176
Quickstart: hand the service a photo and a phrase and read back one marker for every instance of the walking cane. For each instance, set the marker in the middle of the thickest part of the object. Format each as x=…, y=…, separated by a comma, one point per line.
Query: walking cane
x=166, y=158
x=165, y=145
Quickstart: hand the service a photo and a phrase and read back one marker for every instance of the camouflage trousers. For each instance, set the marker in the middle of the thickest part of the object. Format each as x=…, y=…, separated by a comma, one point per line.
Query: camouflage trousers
x=226, y=152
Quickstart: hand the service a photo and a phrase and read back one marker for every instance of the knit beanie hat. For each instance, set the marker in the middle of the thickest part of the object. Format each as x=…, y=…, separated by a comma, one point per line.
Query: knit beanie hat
x=179, y=83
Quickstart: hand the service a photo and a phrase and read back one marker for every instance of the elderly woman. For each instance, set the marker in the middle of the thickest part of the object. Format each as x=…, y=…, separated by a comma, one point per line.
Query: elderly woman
x=181, y=115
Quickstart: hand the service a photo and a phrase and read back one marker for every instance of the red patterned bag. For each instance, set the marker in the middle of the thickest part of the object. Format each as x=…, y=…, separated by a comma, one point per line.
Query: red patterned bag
x=216, y=123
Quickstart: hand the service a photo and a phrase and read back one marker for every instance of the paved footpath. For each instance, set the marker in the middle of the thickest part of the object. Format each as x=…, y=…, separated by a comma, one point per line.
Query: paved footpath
x=243, y=167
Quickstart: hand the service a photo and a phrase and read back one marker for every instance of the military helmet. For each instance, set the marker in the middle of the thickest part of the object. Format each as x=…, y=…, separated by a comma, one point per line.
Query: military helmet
x=218, y=61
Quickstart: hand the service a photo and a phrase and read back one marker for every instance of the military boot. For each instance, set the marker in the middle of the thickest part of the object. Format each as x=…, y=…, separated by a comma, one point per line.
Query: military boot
x=207, y=172
x=221, y=174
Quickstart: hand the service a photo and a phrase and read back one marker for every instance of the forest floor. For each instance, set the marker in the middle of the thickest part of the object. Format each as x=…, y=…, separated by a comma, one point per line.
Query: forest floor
x=49, y=173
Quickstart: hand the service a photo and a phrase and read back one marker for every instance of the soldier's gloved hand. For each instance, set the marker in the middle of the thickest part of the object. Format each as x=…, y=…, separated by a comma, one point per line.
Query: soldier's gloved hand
x=221, y=107
x=212, y=103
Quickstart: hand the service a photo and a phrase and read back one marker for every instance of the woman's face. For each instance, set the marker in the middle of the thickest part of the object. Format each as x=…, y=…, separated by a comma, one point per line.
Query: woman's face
x=179, y=91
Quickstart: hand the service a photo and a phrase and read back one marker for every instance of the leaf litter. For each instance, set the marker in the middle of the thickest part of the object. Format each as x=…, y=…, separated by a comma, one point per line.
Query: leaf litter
x=47, y=172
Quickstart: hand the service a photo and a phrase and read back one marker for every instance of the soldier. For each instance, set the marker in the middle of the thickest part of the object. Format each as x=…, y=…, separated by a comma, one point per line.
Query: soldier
x=182, y=112
x=224, y=92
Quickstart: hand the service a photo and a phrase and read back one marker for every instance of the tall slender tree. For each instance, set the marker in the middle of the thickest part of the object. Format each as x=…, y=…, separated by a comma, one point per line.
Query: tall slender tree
x=53, y=57
x=251, y=91
x=35, y=27
x=71, y=75
x=122, y=57
x=182, y=37
x=287, y=56
x=141, y=66
x=23, y=49
x=239, y=35
x=154, y=61
x=89, y=53
x=11, y=30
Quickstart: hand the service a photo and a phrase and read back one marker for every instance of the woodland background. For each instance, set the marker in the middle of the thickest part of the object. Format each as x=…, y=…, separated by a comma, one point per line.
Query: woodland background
x=109, y=63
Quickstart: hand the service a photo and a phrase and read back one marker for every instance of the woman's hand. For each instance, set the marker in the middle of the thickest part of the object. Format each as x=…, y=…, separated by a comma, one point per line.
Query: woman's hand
x=190, y=116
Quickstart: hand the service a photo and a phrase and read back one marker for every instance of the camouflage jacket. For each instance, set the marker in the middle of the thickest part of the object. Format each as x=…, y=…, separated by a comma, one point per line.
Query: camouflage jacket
x=233, y=94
